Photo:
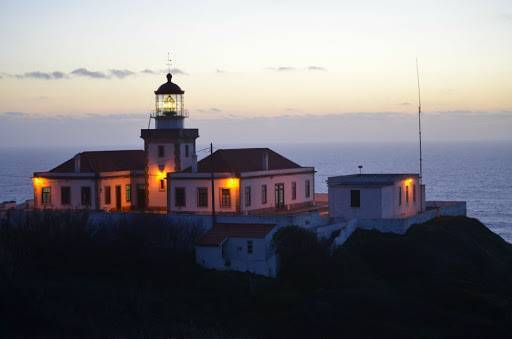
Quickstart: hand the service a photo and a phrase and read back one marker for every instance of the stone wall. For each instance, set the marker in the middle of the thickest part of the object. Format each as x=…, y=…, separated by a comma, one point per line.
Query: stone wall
x=401, y=225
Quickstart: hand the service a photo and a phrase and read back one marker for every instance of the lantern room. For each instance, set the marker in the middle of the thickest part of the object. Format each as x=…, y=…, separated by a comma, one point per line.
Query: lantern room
x=169, y=100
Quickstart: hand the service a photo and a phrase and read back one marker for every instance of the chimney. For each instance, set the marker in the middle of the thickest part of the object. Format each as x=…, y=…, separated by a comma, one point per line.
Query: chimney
x=194, y=163
x=265, y=161
x=77, y=163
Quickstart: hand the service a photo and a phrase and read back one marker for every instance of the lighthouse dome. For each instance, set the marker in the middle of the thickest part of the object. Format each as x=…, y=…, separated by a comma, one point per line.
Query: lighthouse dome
x=169, y=87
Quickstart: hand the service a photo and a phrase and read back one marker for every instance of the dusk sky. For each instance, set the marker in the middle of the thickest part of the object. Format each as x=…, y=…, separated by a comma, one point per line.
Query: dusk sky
x=238, y=60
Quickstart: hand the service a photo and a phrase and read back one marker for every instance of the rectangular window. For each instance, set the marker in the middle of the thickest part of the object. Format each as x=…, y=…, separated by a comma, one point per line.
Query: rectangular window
x=202, y=197
x=65, y=195
x=355, y=198
x=162, y=184
x=400, y=196
x=85, y=195
x=263, y=194
x=250, y=247
x=108, y=195
x=186, y=151
x=161, y=151
x=179, y=197
x=128, y=193
x=413, y=192
x=294, y=190
x=247, y=196
x=406, y=194
x=46, y=195
x=308, y=188
x=279, y=195
x=225, y=197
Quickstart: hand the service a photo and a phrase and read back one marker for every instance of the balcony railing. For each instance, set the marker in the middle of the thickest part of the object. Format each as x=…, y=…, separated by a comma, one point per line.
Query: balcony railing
x=170, y=114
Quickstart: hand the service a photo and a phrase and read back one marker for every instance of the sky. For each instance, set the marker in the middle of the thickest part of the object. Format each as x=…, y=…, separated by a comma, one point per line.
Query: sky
x=257, y=63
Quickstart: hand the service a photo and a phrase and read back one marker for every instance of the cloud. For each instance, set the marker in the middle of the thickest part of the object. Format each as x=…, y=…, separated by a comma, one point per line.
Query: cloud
x=281, y=68
x=507, y=17
x=317, y=68
x=58, y=75
x=84, y=72
x=213, y=109
x=404, y=104
x=41, y=75
x=178, y=71
x=13, y=115
x=285, y=69
x=120, y=73
x=150, y=71
x=218, y=70
x=291, y=68
x=174, y=71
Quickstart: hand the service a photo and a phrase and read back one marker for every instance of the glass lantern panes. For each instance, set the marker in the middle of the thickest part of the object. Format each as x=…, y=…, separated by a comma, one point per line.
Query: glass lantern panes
x=169, y=105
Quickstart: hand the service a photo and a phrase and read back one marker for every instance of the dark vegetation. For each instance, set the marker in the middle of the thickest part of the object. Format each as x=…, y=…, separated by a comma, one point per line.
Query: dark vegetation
x=137, y=278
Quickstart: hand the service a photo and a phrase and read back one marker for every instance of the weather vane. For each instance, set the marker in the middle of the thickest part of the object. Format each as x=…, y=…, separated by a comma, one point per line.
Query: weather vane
x=169, y=62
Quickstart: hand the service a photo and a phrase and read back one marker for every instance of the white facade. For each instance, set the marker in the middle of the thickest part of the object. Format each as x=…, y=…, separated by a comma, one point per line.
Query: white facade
x=375, y=196
x=87, y=191
x=167, y=151
x=250, y=192
x=243, y=254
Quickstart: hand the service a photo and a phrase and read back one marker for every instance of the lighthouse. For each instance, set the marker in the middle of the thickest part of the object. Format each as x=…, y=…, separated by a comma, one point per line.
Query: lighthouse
x=169, y=146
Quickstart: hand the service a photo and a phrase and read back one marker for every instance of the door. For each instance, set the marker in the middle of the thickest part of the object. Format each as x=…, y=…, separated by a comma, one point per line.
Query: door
x=141, y=197
x=279, y=195
x=118, y=197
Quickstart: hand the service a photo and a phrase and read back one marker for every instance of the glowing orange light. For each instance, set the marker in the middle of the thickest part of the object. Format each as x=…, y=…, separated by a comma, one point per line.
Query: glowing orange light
x=232, y=183
x=161, y=175
x=38, y=181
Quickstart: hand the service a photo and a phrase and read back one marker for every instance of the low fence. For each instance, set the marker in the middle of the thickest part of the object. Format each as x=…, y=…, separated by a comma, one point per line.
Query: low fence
x=401, y=225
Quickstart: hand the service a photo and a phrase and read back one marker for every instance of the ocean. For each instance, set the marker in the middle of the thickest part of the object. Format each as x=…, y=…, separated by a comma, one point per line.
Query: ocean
x=479, y=173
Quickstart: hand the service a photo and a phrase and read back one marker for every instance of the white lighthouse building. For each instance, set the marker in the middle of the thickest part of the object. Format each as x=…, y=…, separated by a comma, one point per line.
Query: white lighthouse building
x=169, y=147
x=166, y=177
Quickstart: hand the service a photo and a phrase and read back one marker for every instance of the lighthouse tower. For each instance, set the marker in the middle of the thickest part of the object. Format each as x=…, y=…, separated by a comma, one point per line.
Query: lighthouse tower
x=169, y=147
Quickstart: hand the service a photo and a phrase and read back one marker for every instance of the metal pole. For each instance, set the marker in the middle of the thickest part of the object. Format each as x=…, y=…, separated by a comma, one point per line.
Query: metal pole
x=419, y=116
x=213, y=184
x=419, y=133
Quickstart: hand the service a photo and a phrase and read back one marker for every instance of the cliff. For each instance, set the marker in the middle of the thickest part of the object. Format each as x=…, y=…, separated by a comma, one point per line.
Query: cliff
x=451, y=277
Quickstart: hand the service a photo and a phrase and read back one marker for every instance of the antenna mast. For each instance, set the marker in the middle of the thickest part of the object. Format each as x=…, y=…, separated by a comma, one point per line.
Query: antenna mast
x=419, y=115
x=169, y=62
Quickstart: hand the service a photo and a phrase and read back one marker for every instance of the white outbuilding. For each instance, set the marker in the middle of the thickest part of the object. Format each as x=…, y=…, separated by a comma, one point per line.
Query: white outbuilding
x=375, y=196
x=238, y=247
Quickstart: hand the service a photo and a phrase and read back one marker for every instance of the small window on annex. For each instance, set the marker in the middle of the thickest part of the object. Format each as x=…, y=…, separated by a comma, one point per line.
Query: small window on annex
x=128, y=193
x=202, y=197
x=225, y=197
x=65, y=195
x=85, y=195
x=162, y=184
x=179, y=197
x=108, y=195
x=250, y=247
x=263, y=194
x=355, y=198
x=247, y=196
x=161, y=151
x=46, y=195
x=308, y=188
x=294, y=190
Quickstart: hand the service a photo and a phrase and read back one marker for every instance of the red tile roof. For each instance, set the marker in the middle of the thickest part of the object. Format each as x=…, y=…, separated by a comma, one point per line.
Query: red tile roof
x=105, y=161
x=244, y=160
x=216, y=235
